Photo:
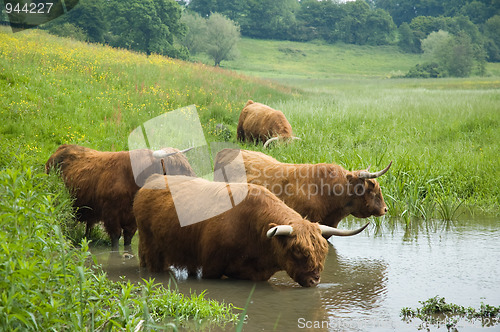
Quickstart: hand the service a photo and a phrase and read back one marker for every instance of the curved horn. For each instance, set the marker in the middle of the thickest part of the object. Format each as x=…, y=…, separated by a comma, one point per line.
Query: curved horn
x=367, y=175
x=294, y=137
x=270, y=140
x=162, y=154
x=328, y=231
x=280, y=230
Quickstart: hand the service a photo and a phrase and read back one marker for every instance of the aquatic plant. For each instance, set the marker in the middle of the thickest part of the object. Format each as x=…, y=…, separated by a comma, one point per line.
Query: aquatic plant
x=436, y=311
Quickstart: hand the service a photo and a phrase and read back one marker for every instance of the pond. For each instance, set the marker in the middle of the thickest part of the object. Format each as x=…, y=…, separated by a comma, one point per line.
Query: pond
x=367, y=279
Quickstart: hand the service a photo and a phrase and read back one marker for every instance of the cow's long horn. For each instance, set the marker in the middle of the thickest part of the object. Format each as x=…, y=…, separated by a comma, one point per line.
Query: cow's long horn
x=270, y=140
x=367, y=175
x=280, y=230
x=328, y=231
x=162, y=154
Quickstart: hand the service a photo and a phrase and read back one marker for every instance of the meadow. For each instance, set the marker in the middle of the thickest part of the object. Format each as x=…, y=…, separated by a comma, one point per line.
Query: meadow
x=442, y=136
x=443, y=142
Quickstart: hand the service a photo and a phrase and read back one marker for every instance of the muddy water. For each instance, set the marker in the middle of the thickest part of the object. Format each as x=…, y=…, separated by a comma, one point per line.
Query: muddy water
x=367, y=279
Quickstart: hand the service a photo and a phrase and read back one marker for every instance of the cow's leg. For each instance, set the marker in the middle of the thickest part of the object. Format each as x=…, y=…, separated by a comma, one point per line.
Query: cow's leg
x=129, y=228
x=88, y=229
x=113, y=229
x=214, y=270
x=115, y=241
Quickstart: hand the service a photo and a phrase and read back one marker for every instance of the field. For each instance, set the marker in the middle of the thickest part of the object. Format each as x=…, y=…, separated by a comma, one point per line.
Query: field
x=442, y=136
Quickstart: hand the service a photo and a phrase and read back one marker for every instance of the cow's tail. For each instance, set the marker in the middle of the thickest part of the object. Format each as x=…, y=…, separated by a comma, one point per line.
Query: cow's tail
x=277, y=138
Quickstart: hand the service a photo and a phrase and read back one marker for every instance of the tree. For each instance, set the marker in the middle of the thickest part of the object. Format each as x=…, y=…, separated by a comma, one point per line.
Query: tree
x=363, y=25
x=492, y=28
x=222, y=37
x=203, y=7
x=89, y=16
x=146, y=26
x=85, y=21
x=382, y=27
x=269, y=19
x=454, y=54
x=477, y=11
x=435, y=45
x=407, y=40
x=406, y=10
x=195, y=37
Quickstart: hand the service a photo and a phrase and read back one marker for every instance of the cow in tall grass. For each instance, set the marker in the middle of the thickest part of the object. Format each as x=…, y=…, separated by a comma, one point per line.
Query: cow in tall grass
x=251, y=240
x=259, y=122
x=326, y=193
x=103, y=184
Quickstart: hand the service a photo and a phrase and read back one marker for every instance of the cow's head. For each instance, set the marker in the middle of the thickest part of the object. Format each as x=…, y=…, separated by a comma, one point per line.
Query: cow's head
x=366, y=196
x=301, y=248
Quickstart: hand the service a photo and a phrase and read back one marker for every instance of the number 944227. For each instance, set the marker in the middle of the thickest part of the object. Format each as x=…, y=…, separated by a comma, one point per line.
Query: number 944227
x=31, y=8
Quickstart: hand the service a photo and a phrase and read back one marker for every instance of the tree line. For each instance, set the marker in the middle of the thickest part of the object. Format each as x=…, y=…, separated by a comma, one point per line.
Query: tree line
x=178, y=28
x=374, y=22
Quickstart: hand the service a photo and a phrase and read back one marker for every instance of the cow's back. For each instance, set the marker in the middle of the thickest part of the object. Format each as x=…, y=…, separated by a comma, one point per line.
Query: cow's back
x=261, y=122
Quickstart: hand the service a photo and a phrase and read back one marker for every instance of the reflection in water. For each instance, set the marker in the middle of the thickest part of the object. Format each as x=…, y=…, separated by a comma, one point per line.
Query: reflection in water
x=352, y=283
x=367, y=279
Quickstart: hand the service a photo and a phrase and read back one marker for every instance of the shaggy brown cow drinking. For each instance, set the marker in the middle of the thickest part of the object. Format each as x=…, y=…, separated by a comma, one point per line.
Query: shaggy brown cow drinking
x=103, y=183
x=321, y=192
x=259, y=122
x=253, y=240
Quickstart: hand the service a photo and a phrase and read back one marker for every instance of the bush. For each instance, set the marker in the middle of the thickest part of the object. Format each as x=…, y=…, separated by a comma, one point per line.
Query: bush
x=429, y=70
x=450, y=55
x=69, y=30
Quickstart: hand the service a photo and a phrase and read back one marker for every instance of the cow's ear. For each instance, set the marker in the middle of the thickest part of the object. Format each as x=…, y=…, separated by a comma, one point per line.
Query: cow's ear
x=355, y=184
x=271, y=225
x=353, y=178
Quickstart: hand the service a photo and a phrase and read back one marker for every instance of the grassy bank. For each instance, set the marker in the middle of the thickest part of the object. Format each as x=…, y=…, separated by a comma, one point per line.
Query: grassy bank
x=441, y=134
x=47, y=284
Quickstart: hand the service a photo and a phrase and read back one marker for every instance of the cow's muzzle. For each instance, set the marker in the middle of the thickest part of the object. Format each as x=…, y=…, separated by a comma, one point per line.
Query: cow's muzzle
x=309, y=280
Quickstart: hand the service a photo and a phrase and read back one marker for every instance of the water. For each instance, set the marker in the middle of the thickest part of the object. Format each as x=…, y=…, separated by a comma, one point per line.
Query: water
x=367, y=279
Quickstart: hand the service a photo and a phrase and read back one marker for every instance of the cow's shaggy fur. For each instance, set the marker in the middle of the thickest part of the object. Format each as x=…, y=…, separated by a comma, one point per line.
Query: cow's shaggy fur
x=232, y=244
x=103, y=184
x=326, y=193
x=259, y=122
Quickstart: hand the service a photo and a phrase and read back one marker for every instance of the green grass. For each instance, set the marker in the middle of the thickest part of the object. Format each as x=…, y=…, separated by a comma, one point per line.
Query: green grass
x=47, y=284
x=55, y=91
x=441, y=134
x=443, y=142
x=277, y=59
x=318, y=61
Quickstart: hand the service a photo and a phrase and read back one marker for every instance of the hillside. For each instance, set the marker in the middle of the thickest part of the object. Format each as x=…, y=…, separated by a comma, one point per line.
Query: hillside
x=278, y=59
x=55, y=90
x=297, y=62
